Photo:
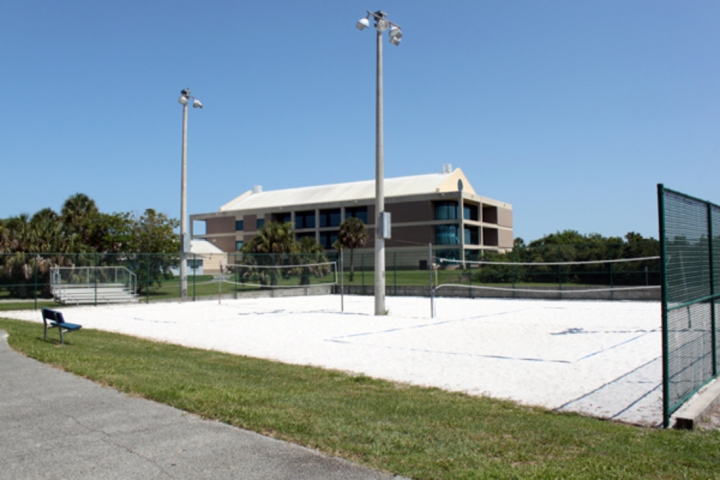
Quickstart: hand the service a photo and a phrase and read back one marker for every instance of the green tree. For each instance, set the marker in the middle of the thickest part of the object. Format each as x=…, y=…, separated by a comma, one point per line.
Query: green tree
x=79, y=213
x=273, y=238
x=152, y=244
x=309, y=251
x=271, y=246
x=353, y=234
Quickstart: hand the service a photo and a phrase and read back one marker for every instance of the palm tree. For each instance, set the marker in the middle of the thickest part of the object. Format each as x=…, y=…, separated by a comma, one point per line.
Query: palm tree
x=273, y=241
x=77, y=214
x=353, y=234
x=311, y=253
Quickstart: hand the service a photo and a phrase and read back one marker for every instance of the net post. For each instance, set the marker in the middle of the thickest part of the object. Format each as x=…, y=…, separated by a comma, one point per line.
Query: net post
x=432, y=290
x=559, y=272
x=235, y=287
x=362, y=273
x=514, y=270
x=612, y=284
x=469, y=272
x=395, y=272
x=342, y=281
x=96, y=286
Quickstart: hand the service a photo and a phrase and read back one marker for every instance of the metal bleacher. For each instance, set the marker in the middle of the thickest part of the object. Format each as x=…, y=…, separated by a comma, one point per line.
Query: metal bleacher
x=93, y=285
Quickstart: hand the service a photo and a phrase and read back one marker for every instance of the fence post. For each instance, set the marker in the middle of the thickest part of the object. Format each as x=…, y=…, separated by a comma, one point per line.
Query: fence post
x=342, y=280
x=713, y=319
x=559, y=271
x=147, y=279
x=35, y=288
x=663, y=278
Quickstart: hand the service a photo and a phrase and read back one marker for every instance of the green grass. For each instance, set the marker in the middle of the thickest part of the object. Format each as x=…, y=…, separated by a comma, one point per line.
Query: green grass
x=421, y=433
x=30, y=305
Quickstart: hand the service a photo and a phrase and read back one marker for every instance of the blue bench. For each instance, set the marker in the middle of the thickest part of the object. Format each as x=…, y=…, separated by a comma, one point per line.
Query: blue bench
x=54, y=319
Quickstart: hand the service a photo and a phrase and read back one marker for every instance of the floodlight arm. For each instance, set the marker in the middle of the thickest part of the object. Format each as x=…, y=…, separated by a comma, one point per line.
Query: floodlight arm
x=380, y=15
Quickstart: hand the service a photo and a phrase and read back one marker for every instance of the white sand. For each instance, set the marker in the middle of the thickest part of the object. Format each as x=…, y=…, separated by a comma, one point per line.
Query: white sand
x=597, y=358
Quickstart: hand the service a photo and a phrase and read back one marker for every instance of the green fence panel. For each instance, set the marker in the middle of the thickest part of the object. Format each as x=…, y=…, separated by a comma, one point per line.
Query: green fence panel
x=690, y=261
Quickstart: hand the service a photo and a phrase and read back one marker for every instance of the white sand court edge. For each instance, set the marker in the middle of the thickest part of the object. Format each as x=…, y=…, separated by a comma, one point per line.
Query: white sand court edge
x=597, y=358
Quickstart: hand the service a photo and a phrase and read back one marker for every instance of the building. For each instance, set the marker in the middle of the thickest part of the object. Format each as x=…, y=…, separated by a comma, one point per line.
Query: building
x=425, y=209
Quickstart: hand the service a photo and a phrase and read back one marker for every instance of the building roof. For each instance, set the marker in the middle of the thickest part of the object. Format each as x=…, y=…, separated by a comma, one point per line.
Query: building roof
x=203, y=247
x=339, y=192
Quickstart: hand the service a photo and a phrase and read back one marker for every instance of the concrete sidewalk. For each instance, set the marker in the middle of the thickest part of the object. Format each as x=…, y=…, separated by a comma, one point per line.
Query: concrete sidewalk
x=56, y=425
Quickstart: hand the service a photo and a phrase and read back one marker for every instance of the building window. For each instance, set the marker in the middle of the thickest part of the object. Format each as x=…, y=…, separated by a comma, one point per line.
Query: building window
x=361, y=213
x=260, y=223
x=304, y=220
x=470, y=212
x=300, y=236
x=472, y=235
x=327, y=239
x=330, y=218
x=446, y=211
x=238, y=245
x=239, y=225
x=282, y=217
x=195, y=264
x=447, y=235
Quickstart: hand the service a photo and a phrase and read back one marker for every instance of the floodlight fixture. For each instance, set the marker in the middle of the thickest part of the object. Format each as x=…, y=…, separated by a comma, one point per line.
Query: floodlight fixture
x=395, y=35
x=363, y=23
x=197, y=103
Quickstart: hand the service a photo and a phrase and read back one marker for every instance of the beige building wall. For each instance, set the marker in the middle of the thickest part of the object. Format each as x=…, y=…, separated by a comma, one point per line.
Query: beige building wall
x=505, y=217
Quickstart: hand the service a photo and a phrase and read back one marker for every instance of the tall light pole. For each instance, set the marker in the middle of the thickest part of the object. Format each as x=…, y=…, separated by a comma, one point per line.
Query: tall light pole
x=382, y=218
x=185, y=97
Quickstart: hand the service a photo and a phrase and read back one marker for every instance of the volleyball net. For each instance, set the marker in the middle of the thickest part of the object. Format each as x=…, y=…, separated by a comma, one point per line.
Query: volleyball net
x=569, y=278
x=283, y=276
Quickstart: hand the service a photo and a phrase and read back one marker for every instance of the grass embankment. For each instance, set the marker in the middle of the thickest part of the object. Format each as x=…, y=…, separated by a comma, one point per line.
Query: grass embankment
x=421, y=433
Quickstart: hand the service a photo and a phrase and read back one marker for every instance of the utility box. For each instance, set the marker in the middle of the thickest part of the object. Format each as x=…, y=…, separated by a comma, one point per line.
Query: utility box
x=383, y=226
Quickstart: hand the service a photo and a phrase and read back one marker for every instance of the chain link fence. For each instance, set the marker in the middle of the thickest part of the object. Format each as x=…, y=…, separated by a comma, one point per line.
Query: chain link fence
x=690, y=251
x=413, y=271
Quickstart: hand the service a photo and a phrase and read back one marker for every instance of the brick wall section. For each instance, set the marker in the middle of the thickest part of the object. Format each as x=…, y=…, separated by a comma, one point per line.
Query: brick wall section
x=411, y=211
x=226, y=244
x=220, y=225
x=249, y=223
x=416, y=236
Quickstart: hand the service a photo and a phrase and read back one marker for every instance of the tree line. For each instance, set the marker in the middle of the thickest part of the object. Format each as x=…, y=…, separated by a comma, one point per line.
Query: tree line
x=81, y=235
x=572, y=246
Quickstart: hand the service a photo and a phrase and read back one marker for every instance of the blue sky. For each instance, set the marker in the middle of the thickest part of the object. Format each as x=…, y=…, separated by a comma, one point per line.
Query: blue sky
x=572, y=111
